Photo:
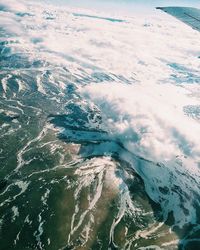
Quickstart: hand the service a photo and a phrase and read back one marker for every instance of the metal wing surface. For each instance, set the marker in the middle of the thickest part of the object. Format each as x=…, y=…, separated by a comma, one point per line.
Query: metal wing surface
x=190, y=16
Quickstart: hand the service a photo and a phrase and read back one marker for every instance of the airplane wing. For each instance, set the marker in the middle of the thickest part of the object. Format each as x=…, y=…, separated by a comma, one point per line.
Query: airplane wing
x=190, y=16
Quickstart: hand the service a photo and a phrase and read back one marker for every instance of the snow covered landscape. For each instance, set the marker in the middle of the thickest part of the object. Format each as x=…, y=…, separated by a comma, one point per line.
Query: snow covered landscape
x=99, y=128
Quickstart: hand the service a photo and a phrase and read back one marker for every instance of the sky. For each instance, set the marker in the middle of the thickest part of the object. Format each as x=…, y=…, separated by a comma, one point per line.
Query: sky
x=127, y=3
x=127, y=7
